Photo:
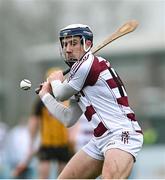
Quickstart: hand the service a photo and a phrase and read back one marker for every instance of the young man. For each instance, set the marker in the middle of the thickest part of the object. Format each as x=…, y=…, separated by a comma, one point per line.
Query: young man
x=95, y=89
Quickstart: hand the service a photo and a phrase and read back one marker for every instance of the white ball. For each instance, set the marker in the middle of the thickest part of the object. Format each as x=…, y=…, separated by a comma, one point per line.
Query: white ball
x=25, y=84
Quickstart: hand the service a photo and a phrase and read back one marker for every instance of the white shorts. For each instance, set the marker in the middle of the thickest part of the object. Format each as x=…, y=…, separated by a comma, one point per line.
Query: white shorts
x=130, y=142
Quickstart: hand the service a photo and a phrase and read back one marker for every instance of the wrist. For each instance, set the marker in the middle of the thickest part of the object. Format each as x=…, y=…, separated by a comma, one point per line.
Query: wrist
x=43, y=93
x=55, y=83
x=45, y=96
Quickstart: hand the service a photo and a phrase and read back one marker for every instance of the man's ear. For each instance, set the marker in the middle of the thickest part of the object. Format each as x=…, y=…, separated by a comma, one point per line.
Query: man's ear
x=88, y=43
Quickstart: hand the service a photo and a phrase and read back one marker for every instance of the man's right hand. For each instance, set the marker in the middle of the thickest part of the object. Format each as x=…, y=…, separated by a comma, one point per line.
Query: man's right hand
x=19, y=170
x=46, y=88
x=58, y=75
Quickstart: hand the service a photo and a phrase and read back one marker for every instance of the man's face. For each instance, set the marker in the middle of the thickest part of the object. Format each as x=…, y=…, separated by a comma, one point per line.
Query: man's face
x=72, y=48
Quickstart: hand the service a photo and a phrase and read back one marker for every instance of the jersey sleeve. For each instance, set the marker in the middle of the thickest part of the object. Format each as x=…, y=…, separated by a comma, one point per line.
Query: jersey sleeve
x=79, y=73
x=62, y=91
x=67, y=115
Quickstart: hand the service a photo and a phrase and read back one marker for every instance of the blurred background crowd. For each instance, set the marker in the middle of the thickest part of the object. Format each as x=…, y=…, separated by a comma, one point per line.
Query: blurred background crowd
x=29, y=46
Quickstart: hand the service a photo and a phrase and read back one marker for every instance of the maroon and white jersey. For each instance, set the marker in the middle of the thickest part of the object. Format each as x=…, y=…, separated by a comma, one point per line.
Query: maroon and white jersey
x=103, y=98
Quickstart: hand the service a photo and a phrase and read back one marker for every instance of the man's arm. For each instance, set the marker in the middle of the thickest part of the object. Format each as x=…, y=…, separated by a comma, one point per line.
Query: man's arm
x=33, y=127
x=61, y=92
x=59, y=87
x=67, y=115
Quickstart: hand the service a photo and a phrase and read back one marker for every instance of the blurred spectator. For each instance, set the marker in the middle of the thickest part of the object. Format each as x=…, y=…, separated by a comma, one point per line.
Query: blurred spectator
x=18, y=141
x=80, y=133
x=3, y=135
x=150, y=133
x=54, y=141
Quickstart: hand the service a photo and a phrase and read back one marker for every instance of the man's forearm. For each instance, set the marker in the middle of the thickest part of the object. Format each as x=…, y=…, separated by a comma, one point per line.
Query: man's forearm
x=62, y=91
x=67, y=115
